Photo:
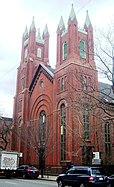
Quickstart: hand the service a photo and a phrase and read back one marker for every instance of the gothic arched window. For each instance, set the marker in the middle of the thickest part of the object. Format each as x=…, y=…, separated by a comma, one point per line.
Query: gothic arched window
x=63, y=132
x=64, y=50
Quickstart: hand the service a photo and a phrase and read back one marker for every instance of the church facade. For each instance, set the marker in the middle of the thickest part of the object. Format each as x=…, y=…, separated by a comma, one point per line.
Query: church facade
x=56, y=118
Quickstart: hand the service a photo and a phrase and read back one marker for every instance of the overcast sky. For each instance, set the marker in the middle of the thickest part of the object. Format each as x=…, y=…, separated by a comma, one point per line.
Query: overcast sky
x=16, y=14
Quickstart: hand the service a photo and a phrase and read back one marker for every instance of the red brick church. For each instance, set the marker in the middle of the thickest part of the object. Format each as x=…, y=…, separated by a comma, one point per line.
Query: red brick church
x=56, y=118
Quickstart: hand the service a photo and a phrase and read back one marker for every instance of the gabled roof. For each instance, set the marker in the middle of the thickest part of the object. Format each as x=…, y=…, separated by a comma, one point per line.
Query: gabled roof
x=48, y=71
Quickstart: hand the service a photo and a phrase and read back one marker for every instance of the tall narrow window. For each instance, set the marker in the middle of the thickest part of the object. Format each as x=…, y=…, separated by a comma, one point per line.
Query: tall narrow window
x=86, y=155
x=42, y=126
x=82, y=49
x=58, y=85
x=39, y=52
x=107, y=139
x=64, y=50
x=89, y=84
x=23, y=83
x=86, y=122
x=62, y=84
x=85, y=83
x=63, y=132
x=42, y=138
x=20, y=106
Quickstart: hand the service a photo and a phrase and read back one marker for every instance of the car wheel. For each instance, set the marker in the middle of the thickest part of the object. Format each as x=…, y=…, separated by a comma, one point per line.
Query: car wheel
x=60, y=184
x=82, y=185
x=36, y=177
x=24, y=176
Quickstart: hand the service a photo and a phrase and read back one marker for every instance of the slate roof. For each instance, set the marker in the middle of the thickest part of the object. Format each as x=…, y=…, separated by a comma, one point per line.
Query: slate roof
x=105, y=92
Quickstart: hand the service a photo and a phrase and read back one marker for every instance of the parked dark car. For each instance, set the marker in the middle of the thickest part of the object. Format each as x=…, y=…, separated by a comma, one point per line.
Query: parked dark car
x=111, y=180
x=83, y=176
x=26, y=171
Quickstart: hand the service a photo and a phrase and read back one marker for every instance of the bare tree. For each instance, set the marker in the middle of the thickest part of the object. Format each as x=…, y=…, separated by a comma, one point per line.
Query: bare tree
x=5, y=131
x=104, y=52
x=87, y=99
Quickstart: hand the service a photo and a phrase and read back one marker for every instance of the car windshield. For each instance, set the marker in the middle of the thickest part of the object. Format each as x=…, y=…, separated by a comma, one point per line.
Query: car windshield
x=98, y=171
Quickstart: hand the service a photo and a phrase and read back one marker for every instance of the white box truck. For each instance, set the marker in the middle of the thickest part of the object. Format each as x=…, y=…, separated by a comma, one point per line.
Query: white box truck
x=8, y=163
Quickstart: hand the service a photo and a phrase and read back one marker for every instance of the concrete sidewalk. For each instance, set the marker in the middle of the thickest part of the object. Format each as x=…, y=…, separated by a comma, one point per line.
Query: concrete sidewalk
x=48, y=177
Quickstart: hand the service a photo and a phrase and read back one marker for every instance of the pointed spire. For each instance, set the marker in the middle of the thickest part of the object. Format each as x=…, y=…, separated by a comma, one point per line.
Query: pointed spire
x=61, y=24
x=87, y=21
x=38, y=36
x=72, y=14
x=25, y=32
x=45, y=30
x=32, y=25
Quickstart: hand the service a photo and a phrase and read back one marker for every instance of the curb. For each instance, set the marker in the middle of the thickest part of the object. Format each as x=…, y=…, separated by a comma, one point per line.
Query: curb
x=48, y=178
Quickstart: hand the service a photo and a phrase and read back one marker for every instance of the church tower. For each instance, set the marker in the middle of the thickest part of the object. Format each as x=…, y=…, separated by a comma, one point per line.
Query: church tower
x=74, y=77
x=35, y=51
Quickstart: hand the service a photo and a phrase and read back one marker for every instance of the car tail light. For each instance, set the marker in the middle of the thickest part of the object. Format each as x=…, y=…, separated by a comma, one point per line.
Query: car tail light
x=28, y=170
x=91, y=179
x=37, y=171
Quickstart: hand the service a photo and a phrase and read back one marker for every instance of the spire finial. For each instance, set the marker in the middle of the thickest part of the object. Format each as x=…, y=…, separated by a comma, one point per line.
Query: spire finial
x=32, y=24
x=38, y=36
x=26, y=32
x=45, y=29
x=87, y=21
x=61, y=24
x=72, y=14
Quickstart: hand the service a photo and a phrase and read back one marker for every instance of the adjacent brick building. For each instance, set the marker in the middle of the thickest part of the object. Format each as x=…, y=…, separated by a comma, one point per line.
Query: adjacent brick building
x=56, y=113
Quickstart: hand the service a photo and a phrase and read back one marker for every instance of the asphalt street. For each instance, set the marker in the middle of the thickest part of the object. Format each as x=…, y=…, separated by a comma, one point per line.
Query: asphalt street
x=28, y=183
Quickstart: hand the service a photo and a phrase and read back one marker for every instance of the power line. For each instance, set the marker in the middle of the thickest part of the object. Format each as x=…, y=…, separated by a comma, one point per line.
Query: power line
x=83, y=6
x=8, y=71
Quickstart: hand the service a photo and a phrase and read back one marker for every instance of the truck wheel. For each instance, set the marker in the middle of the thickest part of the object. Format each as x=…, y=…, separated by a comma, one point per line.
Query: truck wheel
x=82, y=185
x=60, y=184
